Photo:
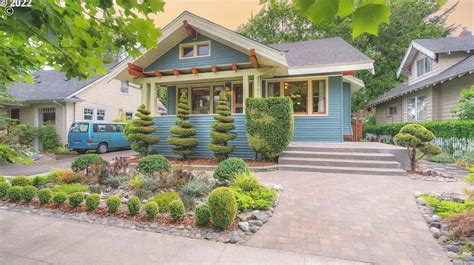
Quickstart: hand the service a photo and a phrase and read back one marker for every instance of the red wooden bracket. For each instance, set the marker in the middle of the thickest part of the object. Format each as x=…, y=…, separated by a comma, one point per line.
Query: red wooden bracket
x=194, y=70
x=214, y=69
x=191, y=32
x=253, y=58
x=234, y=67
x=176, y=72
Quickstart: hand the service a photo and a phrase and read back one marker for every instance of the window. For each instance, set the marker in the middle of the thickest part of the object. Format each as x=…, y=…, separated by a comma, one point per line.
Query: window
x=238, y=98
x=47, y=115
x=417, y=108
x=99, y=127
x=88, y=114
x=100, y=115
x=200, y=100
x=319, y=97
x=423, y=66
x=203, y=50
x=15, y=114
x=129, y=115
x=298, y=93
x=91, y=114
x=193, y=50
x=188, y=52
x=125, y=87
x=391, y=110
x=79, y=127
x=273, y=89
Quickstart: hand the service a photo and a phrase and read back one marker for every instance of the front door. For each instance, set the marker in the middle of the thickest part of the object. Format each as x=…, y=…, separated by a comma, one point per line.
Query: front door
x=238, y=97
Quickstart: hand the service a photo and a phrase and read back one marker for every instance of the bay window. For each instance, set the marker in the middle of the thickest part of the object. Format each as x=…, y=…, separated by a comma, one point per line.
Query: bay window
x=417, y=108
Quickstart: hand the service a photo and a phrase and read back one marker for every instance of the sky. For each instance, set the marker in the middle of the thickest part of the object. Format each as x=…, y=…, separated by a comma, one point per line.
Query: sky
x=232, y=13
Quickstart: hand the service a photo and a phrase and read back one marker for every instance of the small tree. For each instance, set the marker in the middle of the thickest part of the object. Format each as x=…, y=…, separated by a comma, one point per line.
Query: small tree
x=183, y=135
x=465, y=108
x=416, y=137
x=221, y=130
x=139, y=131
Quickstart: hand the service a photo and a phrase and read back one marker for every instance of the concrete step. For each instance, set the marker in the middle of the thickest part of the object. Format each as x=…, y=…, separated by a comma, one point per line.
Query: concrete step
x=339, y=155
x=332, y=162
x=345, y=170
x=332, y=149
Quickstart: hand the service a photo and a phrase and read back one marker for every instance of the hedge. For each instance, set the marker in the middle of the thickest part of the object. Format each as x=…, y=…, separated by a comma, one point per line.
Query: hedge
x=270, y=125
x=442, y=129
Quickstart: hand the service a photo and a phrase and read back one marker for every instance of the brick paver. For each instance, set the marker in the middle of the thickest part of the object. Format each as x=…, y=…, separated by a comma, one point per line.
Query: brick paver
x=357, y=217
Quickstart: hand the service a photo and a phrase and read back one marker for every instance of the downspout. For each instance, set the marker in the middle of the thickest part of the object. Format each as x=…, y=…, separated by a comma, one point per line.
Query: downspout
x=342, y=109
x=64, y=118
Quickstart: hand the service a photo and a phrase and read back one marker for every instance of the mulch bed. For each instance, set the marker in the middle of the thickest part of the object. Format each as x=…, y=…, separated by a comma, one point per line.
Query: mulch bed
x=206, y=162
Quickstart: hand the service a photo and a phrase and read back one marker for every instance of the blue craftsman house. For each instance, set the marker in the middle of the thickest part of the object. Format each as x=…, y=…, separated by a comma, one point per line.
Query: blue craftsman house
x=199, y=57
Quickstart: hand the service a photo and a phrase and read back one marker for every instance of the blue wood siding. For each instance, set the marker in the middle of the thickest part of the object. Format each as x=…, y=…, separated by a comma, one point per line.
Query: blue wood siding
x=323, y=128
x=220, y=55
x=202, y=124
x=346, y=104
x=171, y=100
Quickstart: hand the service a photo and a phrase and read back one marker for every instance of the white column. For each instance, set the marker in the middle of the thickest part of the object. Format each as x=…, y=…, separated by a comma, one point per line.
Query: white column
x=257, y=86
x=245, y=89
x=153, y=96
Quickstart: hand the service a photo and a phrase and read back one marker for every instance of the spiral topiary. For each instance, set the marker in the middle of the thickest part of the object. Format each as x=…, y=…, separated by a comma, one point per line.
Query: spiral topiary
x=221, y=130
x=183, y=135
x=139, y=131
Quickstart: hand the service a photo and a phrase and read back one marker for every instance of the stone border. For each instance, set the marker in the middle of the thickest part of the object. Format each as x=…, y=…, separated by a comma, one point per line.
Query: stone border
x=212, y=167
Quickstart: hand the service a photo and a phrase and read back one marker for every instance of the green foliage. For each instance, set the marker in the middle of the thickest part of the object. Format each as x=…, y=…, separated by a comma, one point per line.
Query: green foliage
x=49, y=137
x=465, y=108
x=113, y=203
x=196, y=187
x=75, y=199
x=14, y=193
x=39, y=181
x=269, y=124
x=20, y=181
x=70, y=188
x=95, y=188
x=23, y=133
x=153, y=164
x=164, y=199
x=222, y=129
x=469, y=178
x=84, y=162
x=260, y=198
x=4, y=186
x=2, y=179
x=61, y=150
x=442, y=158
x=151, y=209
x=247, y=181
x=59, y=198
x=136, y=182
x=10, y=155
x=229, y=168
x=92, y=202
x=445, y=208
x=133, y=205
x=467, y=160
x=222, y=207
x=415, y=138
x=202, y=214
x=45, y=195
x=176, y=209
x=28, y=193
x=115, y=181
x=182, y=137
x=139, y=131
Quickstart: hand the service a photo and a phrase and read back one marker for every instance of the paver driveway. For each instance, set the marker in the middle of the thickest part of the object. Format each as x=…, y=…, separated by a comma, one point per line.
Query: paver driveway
x=356, y=217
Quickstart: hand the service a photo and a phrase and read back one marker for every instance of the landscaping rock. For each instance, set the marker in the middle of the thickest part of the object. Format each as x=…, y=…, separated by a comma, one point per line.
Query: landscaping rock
x=254, y=214
x=235, y=238
x=458, y=262
x=254, y=228
x=421, y=201
x=277, y=187
x=442, y=239
x=436, y=218
x=453, y=248
x=256, y=222
x=466, y=256
x=244, y=216
x=435, y=231
x=435, y=224
x=418, y=194
x=452, y=255
x=244, y=226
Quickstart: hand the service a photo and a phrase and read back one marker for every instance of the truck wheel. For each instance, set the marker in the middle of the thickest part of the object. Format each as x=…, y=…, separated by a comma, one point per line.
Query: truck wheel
x=102, y=148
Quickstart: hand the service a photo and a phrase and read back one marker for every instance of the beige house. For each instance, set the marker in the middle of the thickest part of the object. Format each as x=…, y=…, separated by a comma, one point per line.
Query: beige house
x=438, y=70
x=52, y=98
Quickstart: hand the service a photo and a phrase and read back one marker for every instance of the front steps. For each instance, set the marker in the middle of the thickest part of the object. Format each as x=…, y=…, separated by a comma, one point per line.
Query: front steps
x=348, y=158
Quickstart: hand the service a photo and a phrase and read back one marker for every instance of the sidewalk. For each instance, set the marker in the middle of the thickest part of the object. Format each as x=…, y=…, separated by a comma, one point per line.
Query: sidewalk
x=32, y=239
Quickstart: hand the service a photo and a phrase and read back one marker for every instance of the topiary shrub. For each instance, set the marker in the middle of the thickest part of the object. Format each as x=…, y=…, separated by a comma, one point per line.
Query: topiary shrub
x=14, y=193
x=20, y=181
x=86, y=162
x=177, y=210
x=229, y=168
x=76, y=199
x=133, y=205
x=153, y=164
x=222, y=128
x=113, y=203
x=222, y=207
x=270, y=125
x=59, y=198
x=28, y=193
x=138, y=131
x=92, y=202
x=416, y=137
x=45, y=195
x=247, y=181
x=164, y=199
x=151, y=209
x=202, y=214
x=4, y=186
x=182, y=137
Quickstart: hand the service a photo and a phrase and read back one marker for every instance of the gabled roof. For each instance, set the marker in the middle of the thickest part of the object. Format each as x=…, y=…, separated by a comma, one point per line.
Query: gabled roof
x=50, y=85
x=461, y=68
x=432, y=47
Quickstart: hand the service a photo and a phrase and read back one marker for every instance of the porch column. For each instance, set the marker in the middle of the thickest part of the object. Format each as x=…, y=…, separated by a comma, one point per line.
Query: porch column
x=152, y=99
x=143, y=93
x=245, y=89
x=257, y=86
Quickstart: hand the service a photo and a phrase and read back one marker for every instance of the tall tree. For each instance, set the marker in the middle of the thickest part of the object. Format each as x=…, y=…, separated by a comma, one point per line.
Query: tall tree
x=222, y=129
x=410, y=19
x=183, y=135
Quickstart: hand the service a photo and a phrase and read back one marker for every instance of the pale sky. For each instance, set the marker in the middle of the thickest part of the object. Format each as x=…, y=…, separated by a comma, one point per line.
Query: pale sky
x=232, y=13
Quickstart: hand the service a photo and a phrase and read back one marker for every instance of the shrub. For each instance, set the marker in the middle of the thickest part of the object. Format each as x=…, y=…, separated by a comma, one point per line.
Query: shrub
x=229, y=168
x=45, y=195
x=49, y=137
x=247, y=181
x=222, y=207
x=465, y=108
x=66, y=176
x=138, y=131
x=133, y=205
x=151, y=209
x=182, y=137
x=136, y=182
x=4, y=188
x=442, y=158
x=466, y=160
x=115, y=181
x=59, y=198
x=70, y=188
x=113, y=203
x=75, y=199
x=164, y=199
x=14, y=193
x=202, y=214
x=222, y=129
x=260, y=198
x=92, y=202
x=153, y=164
x=40, y=181
x=416, y=137
x=176, y=209
x=86, y=162
x=269, y=124
x=95, y=189
x=62, y=150
x=10, y=155
x=24, y=133
x=20, y=181
x=28, y=193
x=461, y=224
x=196, y=187
x=445, y=208
x=2, y=179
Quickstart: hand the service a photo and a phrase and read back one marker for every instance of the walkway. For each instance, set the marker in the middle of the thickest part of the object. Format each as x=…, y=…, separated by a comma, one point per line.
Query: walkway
x=356, y=217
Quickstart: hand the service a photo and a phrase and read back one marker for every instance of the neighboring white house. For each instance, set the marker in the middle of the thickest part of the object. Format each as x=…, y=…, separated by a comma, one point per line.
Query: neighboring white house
x=438, y=70
x=52, y=98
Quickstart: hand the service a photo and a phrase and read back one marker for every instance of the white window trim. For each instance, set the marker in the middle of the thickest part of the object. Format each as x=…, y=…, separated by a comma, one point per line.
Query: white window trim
x=416, y=108
x=387, y=113
x=195, y=49
x=129, y=87
x=424, y=59
x=94, y=114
